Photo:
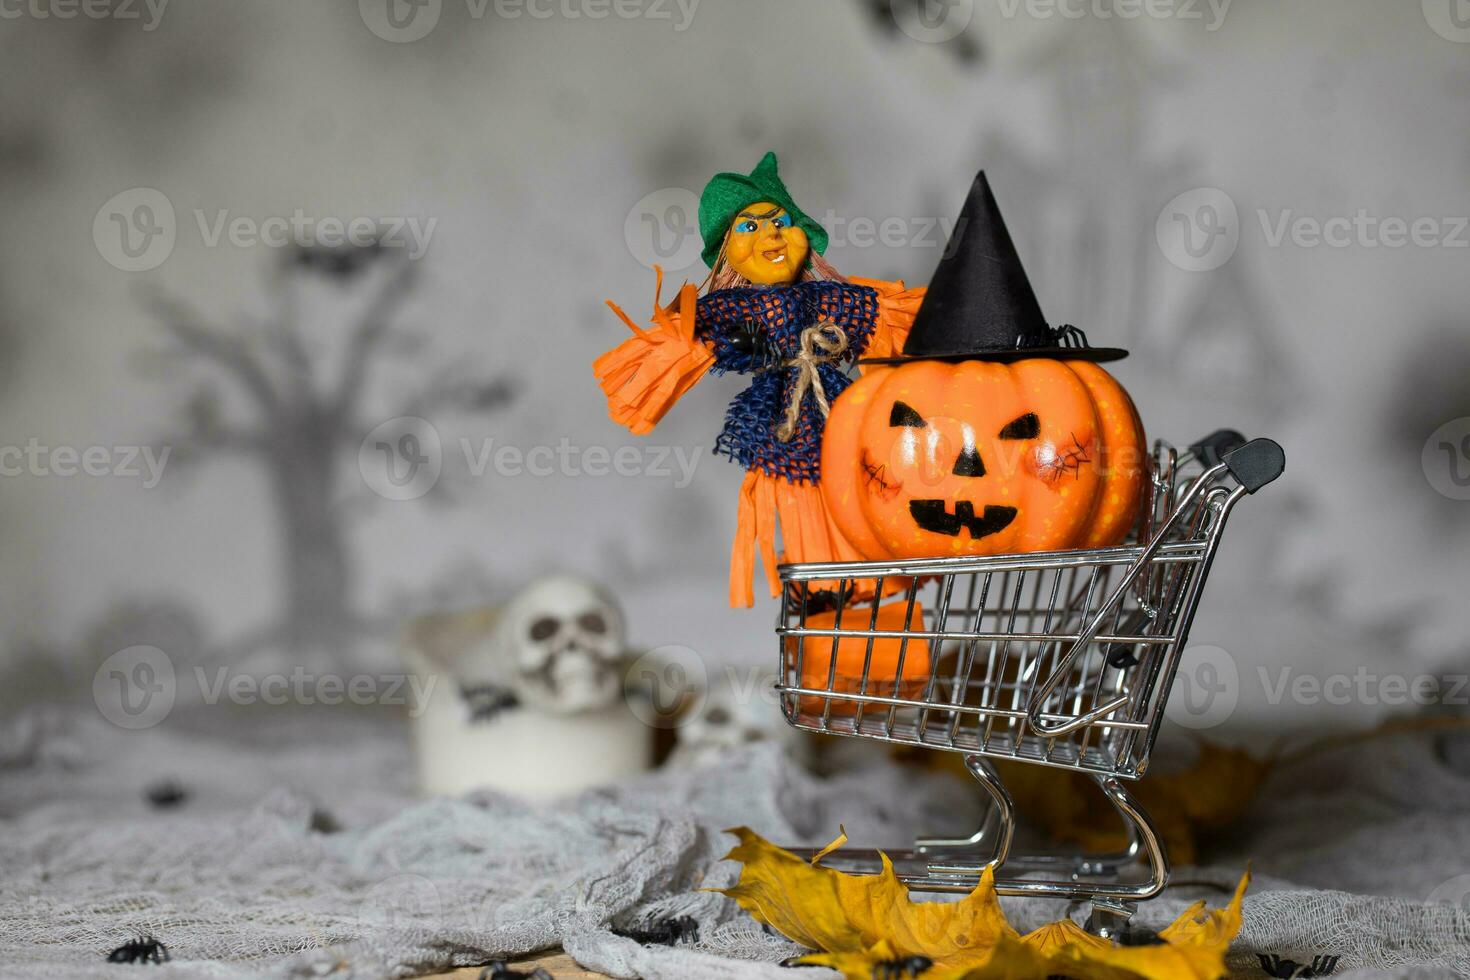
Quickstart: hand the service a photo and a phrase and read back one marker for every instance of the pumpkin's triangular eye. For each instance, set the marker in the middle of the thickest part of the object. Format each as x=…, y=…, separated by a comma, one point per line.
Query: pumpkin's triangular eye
x=1026, y=426
x=903, y=415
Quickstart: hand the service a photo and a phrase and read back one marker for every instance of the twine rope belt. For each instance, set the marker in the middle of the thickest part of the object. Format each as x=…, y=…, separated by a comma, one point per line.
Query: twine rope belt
x=821, y=344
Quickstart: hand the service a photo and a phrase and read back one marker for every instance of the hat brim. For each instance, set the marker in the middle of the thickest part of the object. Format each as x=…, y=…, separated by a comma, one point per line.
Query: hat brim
x=1096, y=354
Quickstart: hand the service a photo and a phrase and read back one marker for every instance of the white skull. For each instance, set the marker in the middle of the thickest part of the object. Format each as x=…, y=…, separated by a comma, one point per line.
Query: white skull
x=738, y=711
x=565, y=638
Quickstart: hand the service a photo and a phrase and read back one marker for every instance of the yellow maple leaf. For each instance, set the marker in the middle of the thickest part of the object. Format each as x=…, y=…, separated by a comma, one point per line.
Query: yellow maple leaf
x=1192, y=947
x=1054, y=937
x=850, y=914
x=860, y=922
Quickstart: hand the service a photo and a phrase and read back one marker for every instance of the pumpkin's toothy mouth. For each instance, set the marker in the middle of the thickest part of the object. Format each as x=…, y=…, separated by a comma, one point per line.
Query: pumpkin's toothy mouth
x=933, y=515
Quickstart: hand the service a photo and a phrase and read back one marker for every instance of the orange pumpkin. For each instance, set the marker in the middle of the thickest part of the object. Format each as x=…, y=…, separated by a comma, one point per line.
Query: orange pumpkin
x=930, y=458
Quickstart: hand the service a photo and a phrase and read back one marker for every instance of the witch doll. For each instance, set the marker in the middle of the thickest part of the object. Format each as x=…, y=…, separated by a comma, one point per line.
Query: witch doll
x=776, y=310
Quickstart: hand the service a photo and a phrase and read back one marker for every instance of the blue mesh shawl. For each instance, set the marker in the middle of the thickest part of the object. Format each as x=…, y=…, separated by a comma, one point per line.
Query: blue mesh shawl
x=728, y=319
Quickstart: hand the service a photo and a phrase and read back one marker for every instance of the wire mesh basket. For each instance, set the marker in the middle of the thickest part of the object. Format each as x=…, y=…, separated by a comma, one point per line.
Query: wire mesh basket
x=1060, y=659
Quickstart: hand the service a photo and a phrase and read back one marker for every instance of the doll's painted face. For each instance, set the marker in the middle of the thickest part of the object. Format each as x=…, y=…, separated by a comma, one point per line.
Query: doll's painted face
x=765, y=246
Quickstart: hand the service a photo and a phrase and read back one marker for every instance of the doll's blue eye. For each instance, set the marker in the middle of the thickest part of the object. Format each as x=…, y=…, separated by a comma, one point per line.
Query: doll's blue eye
x=746, y=226
x=782, y=221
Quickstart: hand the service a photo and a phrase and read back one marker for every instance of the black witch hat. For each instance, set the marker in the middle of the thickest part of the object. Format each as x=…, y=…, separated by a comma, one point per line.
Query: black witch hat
x=979, y=305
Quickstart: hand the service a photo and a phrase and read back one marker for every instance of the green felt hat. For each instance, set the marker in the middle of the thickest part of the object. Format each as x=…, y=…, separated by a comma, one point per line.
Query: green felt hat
x=726, y=194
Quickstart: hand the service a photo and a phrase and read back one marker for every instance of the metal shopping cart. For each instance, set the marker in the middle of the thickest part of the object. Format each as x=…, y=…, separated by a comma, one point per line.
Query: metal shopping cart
x=1060, y=659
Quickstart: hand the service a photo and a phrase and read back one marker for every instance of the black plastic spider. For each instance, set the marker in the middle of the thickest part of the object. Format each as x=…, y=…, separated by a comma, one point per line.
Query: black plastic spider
x=1120, y=655
x=144, y=949
x=165, y=794
x=1123, y=655
x=817, y=600
x=1139, y=936
x=1278, y=966
x=903, y=966
x=752, y=340
x=500, y=971
x=793, y=962
x=485, y=701
x=668, y=932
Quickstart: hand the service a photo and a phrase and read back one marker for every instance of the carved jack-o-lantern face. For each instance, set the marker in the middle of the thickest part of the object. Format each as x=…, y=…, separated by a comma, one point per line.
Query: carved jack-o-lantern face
x=978, y=458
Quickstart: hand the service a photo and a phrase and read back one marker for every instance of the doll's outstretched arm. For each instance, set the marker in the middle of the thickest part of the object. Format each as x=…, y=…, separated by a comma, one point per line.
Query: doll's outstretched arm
x=644, y=375
x=897, y=305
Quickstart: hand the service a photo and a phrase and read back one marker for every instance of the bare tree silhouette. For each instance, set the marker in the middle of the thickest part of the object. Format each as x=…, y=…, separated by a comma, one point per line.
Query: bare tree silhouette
x=303, y=426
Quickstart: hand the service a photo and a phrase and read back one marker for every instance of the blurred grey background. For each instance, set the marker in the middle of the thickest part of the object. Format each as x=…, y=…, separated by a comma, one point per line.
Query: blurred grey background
x=1162, y=167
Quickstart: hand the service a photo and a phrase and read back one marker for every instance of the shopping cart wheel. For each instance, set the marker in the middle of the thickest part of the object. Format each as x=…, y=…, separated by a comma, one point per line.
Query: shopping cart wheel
x=1109, y=918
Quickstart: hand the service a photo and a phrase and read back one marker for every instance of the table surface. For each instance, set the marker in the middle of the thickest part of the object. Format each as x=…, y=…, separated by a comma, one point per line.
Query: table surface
x=558, y=964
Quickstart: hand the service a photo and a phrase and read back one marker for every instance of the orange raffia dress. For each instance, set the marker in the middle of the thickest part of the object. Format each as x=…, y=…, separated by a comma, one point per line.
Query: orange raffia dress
x=647, y=373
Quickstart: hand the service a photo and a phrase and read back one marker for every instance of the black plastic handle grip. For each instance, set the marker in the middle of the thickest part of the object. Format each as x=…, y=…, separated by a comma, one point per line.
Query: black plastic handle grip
x=1213, y=447
x=1256, y=463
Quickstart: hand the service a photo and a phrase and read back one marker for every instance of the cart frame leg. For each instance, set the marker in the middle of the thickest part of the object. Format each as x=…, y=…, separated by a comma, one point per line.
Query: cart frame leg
x=1095, y=877
x=999, y=823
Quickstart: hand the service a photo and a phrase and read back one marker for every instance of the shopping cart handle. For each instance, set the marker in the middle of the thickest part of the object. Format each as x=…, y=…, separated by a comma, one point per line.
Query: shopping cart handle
x=1256, y=463
x=1060, y=729
x=1214, y=446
